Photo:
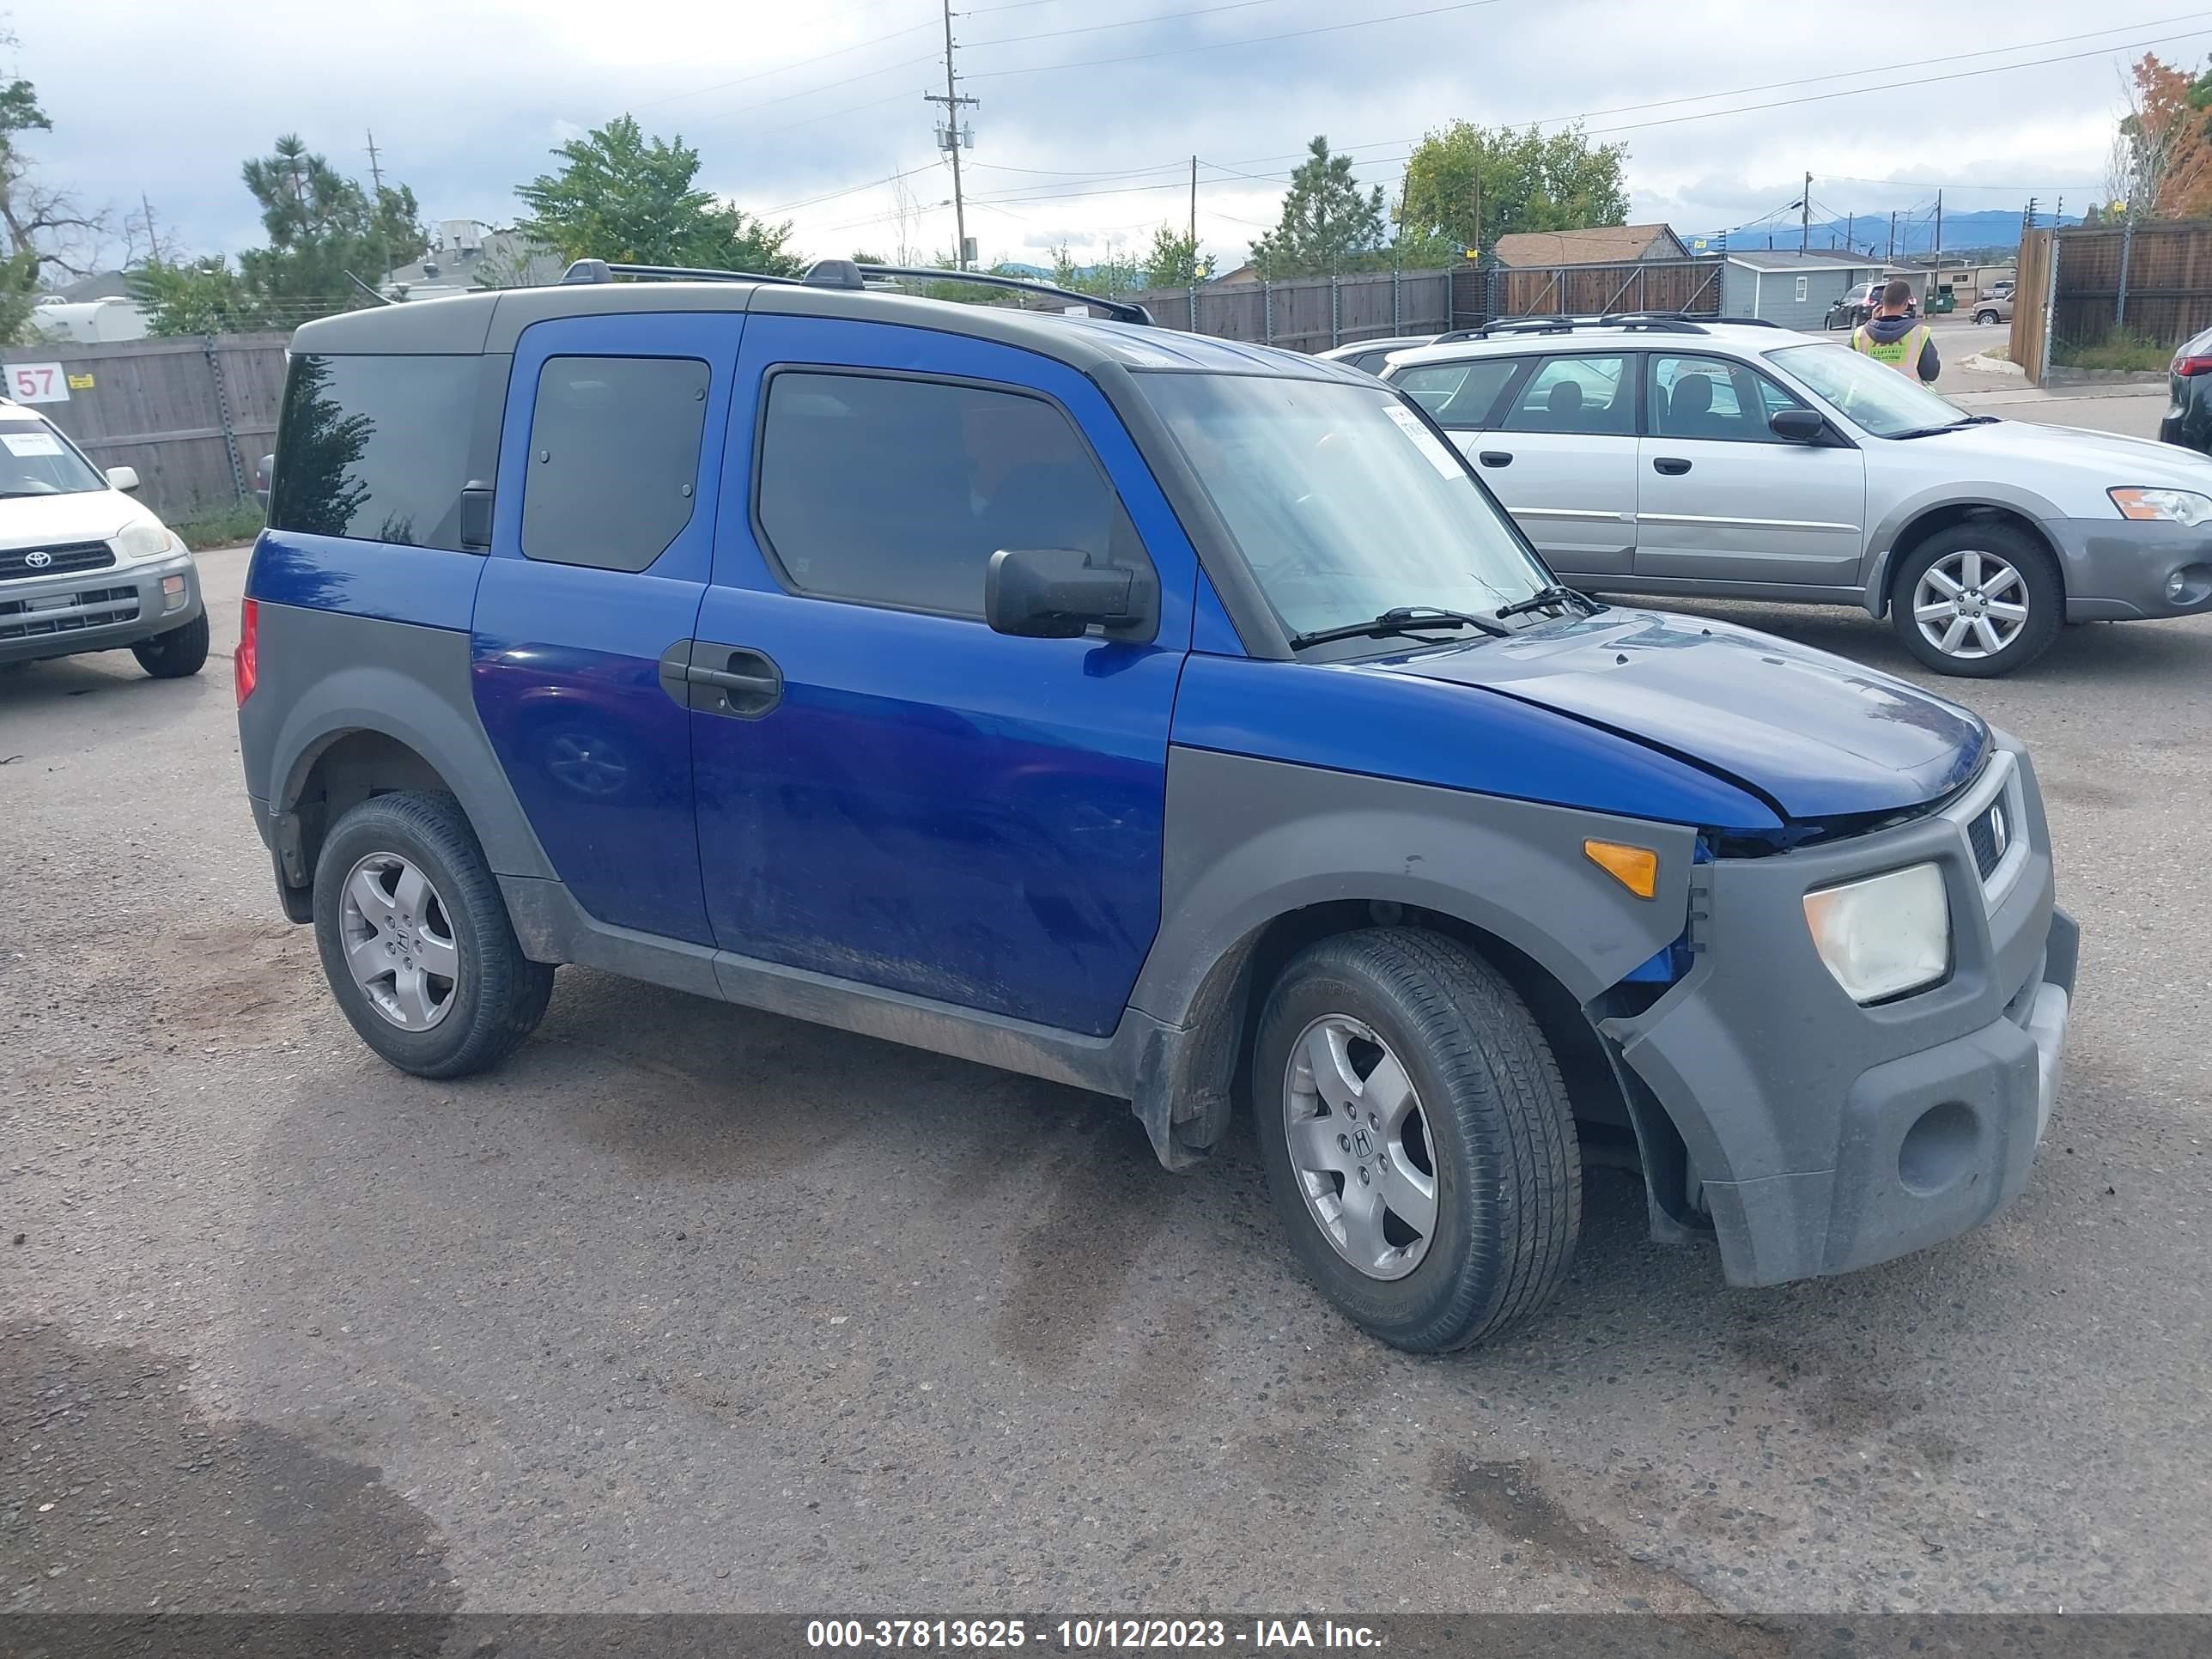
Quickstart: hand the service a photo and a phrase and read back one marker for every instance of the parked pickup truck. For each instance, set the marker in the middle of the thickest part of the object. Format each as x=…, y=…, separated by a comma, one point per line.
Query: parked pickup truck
x=1152, y=713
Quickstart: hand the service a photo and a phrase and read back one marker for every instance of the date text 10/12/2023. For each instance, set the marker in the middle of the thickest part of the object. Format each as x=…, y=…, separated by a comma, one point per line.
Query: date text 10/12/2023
x=1088, y=1635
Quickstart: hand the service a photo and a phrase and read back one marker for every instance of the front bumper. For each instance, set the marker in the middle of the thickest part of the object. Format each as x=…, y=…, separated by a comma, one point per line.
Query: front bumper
x=1822, y=1136
x=2116, y=569
x=100, y=610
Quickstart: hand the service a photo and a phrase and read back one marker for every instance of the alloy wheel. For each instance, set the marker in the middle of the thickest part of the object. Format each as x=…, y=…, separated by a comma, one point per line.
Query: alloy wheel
x=1359, y=1146
x=1970, y=604
x=398, y=941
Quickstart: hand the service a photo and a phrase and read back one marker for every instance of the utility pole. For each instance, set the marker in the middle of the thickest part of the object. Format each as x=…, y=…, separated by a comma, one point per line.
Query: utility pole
x=1194, y=215
x=376, y=204
x=1805, y=217
x=2058, y=214
x=1893, y=236
x=1939, y=233
x=1851, y=230
x=949, y=140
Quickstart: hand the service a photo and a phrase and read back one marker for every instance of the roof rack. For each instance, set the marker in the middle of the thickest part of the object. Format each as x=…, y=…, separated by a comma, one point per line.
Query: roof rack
x=1660, y=322
x=848, y=274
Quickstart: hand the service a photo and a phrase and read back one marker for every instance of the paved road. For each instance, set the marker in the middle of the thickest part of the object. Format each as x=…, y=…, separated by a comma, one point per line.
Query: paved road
x=690, y=1308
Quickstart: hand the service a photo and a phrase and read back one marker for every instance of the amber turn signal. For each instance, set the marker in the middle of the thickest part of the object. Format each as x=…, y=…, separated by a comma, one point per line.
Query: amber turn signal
x=1636, y=868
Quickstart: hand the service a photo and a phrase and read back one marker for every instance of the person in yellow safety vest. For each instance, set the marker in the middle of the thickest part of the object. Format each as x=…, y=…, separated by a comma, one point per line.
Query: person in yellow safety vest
x=1894, y=336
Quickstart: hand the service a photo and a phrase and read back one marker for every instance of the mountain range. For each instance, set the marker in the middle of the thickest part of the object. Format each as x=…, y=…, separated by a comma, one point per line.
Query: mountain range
x=1870, y=233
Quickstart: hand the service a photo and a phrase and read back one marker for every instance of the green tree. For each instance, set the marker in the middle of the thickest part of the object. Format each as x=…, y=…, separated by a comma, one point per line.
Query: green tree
x=1527, y=180
x=622, y=196
x=198, y=296
x=1328, y=224
x=1174, y=261
x=322, y=443
x=323, y=230
x=44, y=228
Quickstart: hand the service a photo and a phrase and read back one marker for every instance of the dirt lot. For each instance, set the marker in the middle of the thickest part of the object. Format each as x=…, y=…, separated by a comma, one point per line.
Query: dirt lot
x=693, y=1309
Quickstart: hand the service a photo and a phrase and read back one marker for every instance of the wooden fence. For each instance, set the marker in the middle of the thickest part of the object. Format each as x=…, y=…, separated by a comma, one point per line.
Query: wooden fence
x=194, y=417
x=1690, y=285
x=2079, y=286
x=2031, y=311
x=1310, y=313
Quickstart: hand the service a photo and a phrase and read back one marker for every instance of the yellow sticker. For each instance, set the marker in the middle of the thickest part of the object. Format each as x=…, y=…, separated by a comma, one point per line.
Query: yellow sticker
x=80, y=382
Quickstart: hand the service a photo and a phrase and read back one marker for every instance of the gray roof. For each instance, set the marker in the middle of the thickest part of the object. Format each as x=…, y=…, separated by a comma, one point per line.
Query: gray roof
x=100, y=285
x=1819, y=260
x=519, y=261
x=491, y=321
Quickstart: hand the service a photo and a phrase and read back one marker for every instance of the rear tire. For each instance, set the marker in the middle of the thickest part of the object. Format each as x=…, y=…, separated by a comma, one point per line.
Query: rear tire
x=1397, y=1077
x=1979, y=599
x=177, y=654
x=415, y=941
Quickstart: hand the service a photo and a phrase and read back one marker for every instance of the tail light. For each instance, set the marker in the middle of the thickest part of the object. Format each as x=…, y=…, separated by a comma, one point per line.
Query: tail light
x=2185, y=366
x=243, y=661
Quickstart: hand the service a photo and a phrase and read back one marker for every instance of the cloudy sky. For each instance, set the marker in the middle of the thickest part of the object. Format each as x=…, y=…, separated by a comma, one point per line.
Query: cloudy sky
x=1090, y=109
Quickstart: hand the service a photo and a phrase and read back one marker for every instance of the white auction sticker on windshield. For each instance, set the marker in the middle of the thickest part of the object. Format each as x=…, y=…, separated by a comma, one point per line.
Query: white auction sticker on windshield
x=30, y=443
x=1426, y=441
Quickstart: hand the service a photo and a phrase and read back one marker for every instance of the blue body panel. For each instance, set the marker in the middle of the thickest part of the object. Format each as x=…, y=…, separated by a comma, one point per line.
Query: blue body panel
x=1371, y=719
x=566, y=657
x=428, y=587
x=1211, y=630
x=1817, y=734
x=934, y=807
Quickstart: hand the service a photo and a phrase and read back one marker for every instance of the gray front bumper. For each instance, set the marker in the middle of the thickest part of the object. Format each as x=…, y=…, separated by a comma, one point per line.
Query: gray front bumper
x=95, y=610
x=2116, y=569
x=1824, y=1137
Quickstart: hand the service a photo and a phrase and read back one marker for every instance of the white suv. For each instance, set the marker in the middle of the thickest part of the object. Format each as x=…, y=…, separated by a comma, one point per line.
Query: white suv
x=83, y=567
x=1733, y=459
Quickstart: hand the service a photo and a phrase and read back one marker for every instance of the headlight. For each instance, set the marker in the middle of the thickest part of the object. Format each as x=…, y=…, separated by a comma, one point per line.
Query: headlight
x=2167, y=506
x=146, y=541
x=1886, y=935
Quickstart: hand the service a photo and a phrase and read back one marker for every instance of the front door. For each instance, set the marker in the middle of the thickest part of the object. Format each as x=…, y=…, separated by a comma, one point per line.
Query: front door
x=890, y=793
x=1720, y=499
x=603, y=531
x=1561, y=457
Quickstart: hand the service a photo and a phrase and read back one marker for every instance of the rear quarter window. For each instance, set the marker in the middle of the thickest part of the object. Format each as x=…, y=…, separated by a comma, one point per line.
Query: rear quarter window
x=375, y=448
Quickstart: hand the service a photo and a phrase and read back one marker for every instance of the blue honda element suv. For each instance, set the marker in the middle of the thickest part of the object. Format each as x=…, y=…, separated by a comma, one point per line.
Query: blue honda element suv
x=1177, y=718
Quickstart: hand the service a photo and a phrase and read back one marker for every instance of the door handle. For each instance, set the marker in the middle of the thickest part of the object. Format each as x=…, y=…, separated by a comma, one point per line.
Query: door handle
x=721, y=679
x=1672, y=465
x=1496, y=458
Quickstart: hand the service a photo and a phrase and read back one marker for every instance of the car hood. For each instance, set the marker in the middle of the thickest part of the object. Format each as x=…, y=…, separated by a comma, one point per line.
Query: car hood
x=2109, y=458
x=1817, y=736
x=85, y=515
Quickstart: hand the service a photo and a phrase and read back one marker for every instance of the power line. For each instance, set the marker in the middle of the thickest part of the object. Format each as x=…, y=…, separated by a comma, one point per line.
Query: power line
x=1124, y=23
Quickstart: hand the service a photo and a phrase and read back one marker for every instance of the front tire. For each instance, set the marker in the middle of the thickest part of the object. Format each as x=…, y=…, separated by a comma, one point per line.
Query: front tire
x=1417, y=1137
x=177, y=654
x=415, y=941
x=1985, y=317
x=1977, y=600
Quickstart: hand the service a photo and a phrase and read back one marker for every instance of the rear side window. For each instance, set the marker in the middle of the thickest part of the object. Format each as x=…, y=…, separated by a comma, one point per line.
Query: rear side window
x=375, y=448
x=614, y=458
x=897, y=492
x=1459, y=394
x=1593, y=395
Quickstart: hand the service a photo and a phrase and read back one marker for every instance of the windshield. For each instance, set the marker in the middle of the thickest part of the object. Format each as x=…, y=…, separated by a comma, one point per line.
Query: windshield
x=1875, y=395
x=35, y=462
x=1343, y=503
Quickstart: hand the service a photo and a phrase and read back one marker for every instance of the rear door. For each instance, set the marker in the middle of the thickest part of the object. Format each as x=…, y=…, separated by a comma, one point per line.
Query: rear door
x=602, y=540
x=1556, y=442
x=1720, y=498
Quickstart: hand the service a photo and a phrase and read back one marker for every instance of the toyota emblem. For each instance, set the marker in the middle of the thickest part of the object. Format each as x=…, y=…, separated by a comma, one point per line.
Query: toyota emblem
x=39, y=559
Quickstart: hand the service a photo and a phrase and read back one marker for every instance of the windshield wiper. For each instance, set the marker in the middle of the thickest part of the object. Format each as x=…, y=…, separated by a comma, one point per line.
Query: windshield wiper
x=1960, y=424
x=1402, y=619
x=1544, y=599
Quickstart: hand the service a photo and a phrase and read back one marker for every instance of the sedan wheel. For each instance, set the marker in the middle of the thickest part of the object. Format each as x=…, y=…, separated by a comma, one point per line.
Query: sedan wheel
x=1970, y=604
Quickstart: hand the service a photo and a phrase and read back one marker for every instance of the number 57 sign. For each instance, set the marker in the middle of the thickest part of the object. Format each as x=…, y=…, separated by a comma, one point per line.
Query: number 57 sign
x=37, y=383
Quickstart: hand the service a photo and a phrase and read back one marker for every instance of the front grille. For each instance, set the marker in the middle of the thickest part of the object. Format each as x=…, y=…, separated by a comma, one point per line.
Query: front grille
x=96, y=607
x=16, y=563
x=1990, y=835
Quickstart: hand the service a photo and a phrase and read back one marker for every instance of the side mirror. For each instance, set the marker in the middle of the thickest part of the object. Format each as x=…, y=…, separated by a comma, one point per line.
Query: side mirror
x=1057, y=593
x=475, y=517
x=1797, y=426
x=123, y=478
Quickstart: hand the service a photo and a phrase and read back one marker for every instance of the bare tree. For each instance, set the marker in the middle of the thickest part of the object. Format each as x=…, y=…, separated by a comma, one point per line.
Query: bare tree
x=906, y=214
x=46, y=229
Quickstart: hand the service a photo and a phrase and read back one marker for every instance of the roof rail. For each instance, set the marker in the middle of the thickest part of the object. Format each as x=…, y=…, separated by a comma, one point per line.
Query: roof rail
x=1663, y=321
x=848, y=274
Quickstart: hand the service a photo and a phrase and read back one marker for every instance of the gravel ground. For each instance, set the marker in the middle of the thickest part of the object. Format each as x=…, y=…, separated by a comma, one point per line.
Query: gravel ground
x=693, y=1309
